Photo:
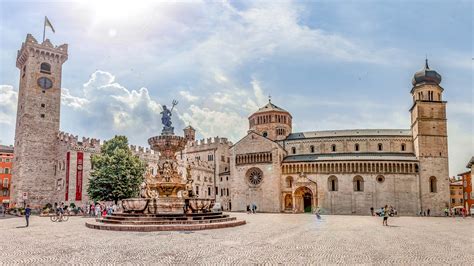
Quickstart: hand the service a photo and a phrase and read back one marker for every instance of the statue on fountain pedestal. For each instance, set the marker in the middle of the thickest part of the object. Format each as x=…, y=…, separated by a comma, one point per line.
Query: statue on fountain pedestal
x=166, y=119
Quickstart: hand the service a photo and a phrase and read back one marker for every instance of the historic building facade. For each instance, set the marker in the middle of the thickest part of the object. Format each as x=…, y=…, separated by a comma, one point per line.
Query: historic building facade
x=341, y=171
x=346, y=171
x=53, y=166
x=6, y=162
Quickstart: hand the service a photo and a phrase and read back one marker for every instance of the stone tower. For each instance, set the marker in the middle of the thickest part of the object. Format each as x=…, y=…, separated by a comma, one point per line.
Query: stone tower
x=37, y=121
x=271, y=121
x=430, y=139
x=189, y=133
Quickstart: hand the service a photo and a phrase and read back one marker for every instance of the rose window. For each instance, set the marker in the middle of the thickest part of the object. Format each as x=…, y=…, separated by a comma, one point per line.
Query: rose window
x=255, y=176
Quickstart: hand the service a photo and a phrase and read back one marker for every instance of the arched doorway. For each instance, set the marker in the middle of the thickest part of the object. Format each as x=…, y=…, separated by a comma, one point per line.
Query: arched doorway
x=304, y=200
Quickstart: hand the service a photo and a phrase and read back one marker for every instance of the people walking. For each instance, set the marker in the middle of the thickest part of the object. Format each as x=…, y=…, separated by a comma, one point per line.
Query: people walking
x=385, y=216
x=27, y=215
x=317, y=212
x=248, y=209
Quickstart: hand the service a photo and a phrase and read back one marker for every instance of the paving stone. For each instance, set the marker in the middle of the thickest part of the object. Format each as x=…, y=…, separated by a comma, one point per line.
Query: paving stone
x=266, y=238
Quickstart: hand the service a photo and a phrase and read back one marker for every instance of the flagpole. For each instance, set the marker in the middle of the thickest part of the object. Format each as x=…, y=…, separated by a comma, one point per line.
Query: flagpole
x=44, y=27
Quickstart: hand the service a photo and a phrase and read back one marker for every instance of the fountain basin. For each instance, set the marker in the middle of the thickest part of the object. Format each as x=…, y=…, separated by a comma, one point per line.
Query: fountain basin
x=134, y=205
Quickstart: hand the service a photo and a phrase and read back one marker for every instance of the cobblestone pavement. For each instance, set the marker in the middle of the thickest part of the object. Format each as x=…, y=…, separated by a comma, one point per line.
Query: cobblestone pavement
x=267, y=238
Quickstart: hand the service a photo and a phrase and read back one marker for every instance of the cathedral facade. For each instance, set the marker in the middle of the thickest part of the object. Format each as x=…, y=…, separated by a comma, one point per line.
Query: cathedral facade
x=278, y=170
x=346, y=171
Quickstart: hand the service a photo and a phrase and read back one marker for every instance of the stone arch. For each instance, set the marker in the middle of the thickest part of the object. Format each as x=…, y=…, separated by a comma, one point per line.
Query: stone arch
x=333, y=183
x=305, y=199
x=358, y=183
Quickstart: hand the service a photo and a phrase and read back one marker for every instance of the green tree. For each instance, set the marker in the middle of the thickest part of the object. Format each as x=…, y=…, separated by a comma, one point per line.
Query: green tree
x=117, y=173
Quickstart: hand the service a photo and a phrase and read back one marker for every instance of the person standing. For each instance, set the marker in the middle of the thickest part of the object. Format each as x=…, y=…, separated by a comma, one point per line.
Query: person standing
x=385, y=216
x=428, y=212
x=97, y=210
x=27, y=215
x=371, y=211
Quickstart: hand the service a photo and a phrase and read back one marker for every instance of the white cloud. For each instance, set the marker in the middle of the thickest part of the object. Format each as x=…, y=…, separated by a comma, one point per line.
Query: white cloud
x=216, y=123
x=107, y=108
x=8, y=103
x=188, y=96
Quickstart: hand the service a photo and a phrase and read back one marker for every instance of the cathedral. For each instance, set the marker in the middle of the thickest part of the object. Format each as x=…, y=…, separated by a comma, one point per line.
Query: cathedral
x=278, y=170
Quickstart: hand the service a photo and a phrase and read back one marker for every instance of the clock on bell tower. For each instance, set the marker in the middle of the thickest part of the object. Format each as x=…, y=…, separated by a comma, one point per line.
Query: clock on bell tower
x=37, y=121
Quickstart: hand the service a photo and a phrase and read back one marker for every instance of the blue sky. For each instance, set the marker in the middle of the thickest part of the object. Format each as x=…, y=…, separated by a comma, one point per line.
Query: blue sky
x=332, y=64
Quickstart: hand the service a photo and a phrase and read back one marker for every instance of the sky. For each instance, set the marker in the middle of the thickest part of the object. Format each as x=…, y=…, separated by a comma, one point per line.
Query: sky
x=331, y=64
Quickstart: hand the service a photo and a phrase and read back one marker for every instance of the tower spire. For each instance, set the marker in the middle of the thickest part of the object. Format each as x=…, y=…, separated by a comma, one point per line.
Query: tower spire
x=426, y=62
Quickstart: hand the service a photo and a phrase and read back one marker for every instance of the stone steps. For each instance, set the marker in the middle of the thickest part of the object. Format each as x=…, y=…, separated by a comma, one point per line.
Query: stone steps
x=158, y=222
x=163, y=227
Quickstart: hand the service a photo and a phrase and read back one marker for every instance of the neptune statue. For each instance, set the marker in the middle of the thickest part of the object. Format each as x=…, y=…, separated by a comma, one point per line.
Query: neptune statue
x=166, y=119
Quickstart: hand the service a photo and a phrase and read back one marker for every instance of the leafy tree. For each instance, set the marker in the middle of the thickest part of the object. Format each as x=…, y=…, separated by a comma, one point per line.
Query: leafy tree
x=117, y=173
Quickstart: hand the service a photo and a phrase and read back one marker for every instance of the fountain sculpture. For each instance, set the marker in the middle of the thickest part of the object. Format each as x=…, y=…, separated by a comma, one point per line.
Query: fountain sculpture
x=166, y=198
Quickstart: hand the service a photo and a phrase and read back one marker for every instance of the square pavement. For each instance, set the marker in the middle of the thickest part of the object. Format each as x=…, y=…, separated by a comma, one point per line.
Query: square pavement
x=266, y=238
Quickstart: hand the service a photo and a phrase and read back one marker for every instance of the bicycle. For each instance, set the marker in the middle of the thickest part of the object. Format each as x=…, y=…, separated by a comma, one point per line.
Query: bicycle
x=57, y=217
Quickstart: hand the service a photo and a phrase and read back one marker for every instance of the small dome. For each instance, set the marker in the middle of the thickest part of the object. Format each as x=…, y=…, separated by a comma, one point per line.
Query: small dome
x=426, y=75
x=270, y=107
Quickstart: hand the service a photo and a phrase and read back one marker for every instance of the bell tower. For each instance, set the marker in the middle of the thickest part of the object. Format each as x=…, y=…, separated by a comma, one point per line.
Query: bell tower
x=37, y=121
x=430, y=139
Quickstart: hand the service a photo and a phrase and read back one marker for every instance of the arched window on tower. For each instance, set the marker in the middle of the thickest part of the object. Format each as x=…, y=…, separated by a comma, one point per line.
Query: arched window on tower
x=45, y=68
x=289, y=182
x=333, y=147
x=380, y=147
x=403, y=147
x=311, y=149
x=433, y=188
x=358, y=183
x=332, y=183
x=356, y=147
x=293, y=150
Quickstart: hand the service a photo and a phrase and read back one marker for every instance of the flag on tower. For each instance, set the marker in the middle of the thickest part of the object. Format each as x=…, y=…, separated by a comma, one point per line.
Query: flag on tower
x=48, y=23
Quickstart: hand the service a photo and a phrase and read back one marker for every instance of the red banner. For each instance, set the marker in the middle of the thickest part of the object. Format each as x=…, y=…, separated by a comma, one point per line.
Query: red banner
x=66, y=197
x=80, y=156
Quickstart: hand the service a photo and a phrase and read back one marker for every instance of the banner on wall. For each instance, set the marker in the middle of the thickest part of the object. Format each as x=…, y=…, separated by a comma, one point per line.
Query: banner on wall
x=79, y=169
x=68, y=156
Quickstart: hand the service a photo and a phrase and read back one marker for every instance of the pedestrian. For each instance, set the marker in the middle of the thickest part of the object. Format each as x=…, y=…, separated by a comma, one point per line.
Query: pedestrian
x=372, y=211
x=97, y=210
x=428, y=212
x=248, y=209
x=1, y=210
x=446, y=211
x=424, y=213
x=27, y=215
x=318, y=211
x=114, y=208
x=385, y=216
x=463, y=212
x=254, y=208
